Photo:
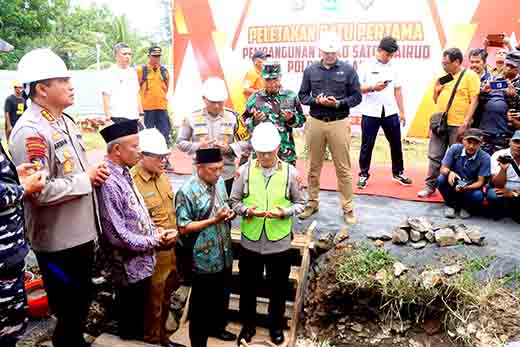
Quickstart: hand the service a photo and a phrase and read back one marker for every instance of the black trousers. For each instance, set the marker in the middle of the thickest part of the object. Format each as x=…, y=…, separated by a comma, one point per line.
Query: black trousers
x=208, y=305
x=67, y=277
x=158, y=119
x=131, y=302
x=277, y=268
x=369, y=129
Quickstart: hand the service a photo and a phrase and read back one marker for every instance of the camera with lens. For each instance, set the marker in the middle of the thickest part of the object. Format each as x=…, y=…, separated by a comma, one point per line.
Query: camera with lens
x=505, y=159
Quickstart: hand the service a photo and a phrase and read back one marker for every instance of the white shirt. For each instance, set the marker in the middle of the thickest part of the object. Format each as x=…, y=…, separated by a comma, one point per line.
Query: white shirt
x=122, y=86
x=513, y=180
x=372, y=72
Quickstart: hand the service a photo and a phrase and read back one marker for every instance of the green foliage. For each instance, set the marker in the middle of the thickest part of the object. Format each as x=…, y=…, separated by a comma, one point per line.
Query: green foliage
x=72, y=32
x=359, y=265
x=22, y=21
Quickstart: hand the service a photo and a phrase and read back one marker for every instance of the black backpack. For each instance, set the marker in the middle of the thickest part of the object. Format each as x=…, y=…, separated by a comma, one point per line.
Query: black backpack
x=163, y=70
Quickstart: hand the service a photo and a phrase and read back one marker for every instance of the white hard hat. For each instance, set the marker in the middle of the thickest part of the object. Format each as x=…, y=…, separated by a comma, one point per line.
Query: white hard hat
x=329, y=42
x=266, y=137
x=214, y=89
x=41, y=64
x=152, y=141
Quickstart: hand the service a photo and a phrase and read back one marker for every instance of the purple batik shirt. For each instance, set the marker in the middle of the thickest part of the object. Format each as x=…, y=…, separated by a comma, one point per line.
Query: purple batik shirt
x=127, y=227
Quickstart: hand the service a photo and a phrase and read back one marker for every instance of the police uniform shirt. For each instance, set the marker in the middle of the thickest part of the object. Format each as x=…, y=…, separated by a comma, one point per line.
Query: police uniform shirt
x=63, y=215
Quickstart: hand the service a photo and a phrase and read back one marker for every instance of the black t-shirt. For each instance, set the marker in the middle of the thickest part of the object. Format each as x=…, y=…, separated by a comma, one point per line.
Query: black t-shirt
x=15, y=107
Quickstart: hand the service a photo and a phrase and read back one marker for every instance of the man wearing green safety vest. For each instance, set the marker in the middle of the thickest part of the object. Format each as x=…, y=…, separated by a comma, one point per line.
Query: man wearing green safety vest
x=267, y=195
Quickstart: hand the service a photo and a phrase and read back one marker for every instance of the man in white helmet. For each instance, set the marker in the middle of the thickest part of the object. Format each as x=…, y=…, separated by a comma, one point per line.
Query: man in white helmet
x=215, y=126
x=267, y=195
x=331, y=88
x=156, y=190
x=62, y=221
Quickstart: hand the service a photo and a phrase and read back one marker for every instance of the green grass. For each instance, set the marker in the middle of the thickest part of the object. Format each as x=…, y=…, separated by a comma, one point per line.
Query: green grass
x=93, y=141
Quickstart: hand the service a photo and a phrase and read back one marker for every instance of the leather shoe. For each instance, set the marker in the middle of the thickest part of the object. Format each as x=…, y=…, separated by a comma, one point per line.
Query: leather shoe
x=224, y=335
x=246, y=333
x=277, y=336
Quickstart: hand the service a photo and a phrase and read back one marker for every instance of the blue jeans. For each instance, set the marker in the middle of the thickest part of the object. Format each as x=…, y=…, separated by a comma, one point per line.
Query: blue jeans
x=158, y=119
x=502, y=207
x=369, y=129
x=468, y=200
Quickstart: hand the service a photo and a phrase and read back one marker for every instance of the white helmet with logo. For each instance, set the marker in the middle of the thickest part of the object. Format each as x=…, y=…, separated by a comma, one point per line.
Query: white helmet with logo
x=214, y=89
x=41, y=64
x=152, y=141
x=266, y=137
x=329, y=42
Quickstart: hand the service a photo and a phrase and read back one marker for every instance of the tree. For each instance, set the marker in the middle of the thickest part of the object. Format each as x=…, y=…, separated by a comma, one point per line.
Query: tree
x=22, y=21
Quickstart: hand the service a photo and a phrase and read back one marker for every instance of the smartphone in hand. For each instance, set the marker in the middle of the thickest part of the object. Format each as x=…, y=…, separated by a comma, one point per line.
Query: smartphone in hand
x=497, y=85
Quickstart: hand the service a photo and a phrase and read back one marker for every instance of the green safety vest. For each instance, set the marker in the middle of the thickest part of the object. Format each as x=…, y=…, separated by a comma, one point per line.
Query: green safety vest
x=267, y=198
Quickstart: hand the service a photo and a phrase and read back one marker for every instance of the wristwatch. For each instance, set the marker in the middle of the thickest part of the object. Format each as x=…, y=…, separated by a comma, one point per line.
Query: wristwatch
x=515, y=194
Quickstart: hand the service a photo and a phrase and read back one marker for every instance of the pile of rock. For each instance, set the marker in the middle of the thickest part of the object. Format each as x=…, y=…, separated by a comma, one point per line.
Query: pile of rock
x=419, y=231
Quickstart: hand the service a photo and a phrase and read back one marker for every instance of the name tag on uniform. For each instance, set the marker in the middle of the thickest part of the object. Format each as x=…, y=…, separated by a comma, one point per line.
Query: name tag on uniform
x=149, y=195
x=227, y=129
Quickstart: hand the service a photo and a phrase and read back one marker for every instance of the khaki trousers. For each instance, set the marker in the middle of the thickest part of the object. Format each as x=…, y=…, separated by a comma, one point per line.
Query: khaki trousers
x=164, y=283
x=336, y=135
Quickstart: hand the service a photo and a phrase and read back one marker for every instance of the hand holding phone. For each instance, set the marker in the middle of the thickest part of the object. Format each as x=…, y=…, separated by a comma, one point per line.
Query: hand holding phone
x=498, y=85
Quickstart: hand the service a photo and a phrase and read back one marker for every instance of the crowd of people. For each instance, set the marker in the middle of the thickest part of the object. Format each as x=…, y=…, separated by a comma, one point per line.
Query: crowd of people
x=70, y=211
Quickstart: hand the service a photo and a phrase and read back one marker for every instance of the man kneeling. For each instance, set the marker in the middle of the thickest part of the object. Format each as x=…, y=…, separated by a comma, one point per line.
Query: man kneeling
x=266, y=195
x=465, y=169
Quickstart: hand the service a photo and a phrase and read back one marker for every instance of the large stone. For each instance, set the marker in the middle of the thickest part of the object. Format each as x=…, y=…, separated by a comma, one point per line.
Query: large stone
x=399, y=269
x=474, y=235
x=421, y=224
x=452, y=270
x=430, y=236
x=430, y=279
x=419, y=245
x=107, y=340
x=399, y=236
x=461, y=235
x=384, y=235
x=415, y=235
x=341, y=236
x=445, y=237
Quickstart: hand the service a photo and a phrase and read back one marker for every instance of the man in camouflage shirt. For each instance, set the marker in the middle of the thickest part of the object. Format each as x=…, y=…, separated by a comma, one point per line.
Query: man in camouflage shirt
x=279, y=106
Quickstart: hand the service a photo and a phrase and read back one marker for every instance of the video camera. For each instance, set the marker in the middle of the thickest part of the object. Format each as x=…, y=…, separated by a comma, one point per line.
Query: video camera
x=507, y=159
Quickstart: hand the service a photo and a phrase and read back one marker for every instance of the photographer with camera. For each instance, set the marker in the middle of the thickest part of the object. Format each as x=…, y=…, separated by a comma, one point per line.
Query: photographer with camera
x=464, y=171
x=504, y=197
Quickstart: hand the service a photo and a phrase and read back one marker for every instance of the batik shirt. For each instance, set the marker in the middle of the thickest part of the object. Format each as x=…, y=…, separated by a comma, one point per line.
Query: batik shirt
x=212, y=248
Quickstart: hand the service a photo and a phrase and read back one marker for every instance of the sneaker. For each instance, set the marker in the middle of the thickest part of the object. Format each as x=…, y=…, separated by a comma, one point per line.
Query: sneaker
x=350, y=218
x=464, y=214
x=362, y=182
x=308, y=211
x=449, y=212
x=426, y=192
x=402, y=179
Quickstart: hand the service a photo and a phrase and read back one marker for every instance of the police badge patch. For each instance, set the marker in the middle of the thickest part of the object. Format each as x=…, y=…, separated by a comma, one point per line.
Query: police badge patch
x=36, y=150
x=366, y=4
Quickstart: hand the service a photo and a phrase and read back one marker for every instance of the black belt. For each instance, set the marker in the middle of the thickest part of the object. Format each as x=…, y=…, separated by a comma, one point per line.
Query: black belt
x=330, y=119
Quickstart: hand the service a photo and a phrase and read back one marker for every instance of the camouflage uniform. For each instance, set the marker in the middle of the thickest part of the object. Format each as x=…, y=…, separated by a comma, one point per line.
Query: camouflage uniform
x=272, y=105
x=13, y=249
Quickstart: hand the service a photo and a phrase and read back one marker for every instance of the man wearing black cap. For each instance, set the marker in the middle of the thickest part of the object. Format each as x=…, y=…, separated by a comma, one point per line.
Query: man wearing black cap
x=129, y=235
x=382, y=107
x=204, y=244
x=464, y=171
x=154, y=81
x=253, y=81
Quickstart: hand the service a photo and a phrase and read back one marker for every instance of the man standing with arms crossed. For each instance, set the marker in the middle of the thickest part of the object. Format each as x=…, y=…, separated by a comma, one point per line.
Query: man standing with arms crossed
x=15, y=106
x=331, y=88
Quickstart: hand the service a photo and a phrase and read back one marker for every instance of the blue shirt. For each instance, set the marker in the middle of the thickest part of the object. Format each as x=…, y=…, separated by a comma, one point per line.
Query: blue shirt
x=468, y=168
x=212, y=247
